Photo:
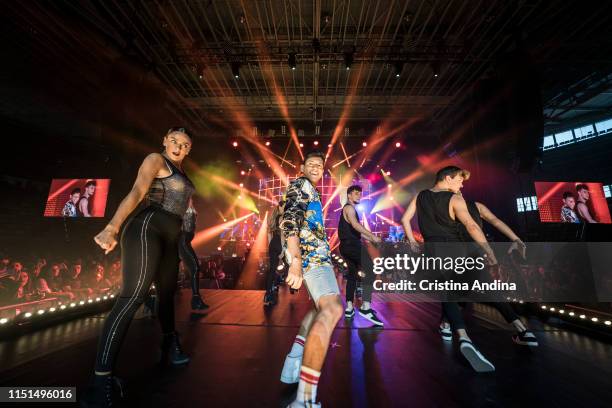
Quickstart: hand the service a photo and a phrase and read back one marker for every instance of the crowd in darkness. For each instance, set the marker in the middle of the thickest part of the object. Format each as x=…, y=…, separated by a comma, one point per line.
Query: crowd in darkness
x=26, y=280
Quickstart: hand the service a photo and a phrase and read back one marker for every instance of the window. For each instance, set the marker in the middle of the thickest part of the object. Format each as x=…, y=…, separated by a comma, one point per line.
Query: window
x=604, y=127
x=519, y=205
x=564, y=138
x=584, y=132
x=549, y=142
x=524, y=204
x=607, y=191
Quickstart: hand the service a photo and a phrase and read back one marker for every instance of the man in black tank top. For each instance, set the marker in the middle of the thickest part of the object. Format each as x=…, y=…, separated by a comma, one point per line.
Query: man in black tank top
x=441, y=211
x=350, y=232
x=85, y=203
x=480, y=212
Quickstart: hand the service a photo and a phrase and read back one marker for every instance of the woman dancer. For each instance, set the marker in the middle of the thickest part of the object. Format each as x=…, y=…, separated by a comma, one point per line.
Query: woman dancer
x=274, y=251
x=149, y=253
x=189, y=257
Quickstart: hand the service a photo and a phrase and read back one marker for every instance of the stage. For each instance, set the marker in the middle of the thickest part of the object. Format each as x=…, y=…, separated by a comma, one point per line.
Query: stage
x=238, y=349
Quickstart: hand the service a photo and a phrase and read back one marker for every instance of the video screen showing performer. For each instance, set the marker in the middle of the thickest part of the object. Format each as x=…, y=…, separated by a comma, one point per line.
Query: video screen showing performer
x=572, y=202
x=74, y=198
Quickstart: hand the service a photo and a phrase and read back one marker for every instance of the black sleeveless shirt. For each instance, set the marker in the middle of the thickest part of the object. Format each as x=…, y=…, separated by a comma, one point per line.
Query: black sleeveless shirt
x=171, y=193
x=435, y=223
x=347, y=234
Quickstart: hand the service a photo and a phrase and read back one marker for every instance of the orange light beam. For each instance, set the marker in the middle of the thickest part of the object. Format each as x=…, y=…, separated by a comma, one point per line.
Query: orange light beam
x=209, y=233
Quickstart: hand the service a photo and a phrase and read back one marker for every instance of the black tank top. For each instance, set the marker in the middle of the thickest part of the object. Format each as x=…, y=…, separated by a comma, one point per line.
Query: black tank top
x=89, y=206
x=473, y=210
x=346, y=232
x=171, y=193
x=435, y=223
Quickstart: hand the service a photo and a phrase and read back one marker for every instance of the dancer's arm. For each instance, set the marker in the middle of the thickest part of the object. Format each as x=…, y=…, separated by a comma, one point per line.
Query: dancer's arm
x=502, y=227
x=351, y=215
x=460, y=210
x=406, y=219
x=295, y=210
x=147, y=172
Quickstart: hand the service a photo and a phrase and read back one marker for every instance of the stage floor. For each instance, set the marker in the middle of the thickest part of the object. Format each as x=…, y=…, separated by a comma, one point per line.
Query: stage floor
x=238, y=349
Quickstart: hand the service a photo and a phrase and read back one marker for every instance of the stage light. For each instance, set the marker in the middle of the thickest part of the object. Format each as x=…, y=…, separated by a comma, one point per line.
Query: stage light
x=72, y=304
x=608, y=323
x=301, y=144
x=267, y=143
x=595, y=319
x=236, y=69
x=89, y=301
x=82, y=302
x=240, y=197
x=435, y=69
x=388, y=173
x=52, y=310
x=235, y=144
x=4, y=320
x=316, y=142
x=292, y=61
x=399, y=66
x=582, y=316
x=41, y=312
x=544, y=307
x=112, y=296
x=389, y=185
x=63, y=307
x=241, y=184
x=242, y=172
x=348, y=60
x=552, y=309
x=218, y=248
x=28, y=314
x=571, y=313
x=364, y=144
x=562, y=311
x=105, y=297
x=97, y=299
x=398, y=144
x=329, y=145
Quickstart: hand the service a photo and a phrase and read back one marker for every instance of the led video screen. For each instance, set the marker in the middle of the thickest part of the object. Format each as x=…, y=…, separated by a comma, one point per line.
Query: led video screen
x=572, y=202
x=76, y=198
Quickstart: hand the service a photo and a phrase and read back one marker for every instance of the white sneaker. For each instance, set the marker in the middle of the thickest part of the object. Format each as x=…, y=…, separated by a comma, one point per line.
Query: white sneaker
x=478, y=362
x=291, y=369
x=303, y=404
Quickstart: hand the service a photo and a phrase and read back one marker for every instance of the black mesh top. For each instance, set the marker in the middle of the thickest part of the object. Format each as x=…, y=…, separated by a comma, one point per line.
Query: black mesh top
x=171, y=193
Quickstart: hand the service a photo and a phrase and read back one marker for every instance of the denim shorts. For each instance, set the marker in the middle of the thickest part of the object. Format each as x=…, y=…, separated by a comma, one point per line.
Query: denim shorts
x=321, y=281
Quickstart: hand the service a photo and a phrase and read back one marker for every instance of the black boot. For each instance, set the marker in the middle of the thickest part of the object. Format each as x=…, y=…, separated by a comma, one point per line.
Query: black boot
x=104, y=392
x=172, y=352
x=197, y=303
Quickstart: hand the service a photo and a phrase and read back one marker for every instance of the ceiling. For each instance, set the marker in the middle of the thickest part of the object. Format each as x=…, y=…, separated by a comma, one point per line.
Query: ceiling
x=440, y=49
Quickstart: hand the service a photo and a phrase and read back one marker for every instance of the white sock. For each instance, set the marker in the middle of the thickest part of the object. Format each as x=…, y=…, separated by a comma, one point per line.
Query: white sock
x=365, y=305
x=349, y=305
x=307, y=387
x=298, y=346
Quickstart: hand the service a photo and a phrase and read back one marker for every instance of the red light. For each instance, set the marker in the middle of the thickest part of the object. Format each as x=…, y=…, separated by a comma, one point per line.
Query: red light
x=364, y=144
x=235, y=144
x=316, y=143
x=218, y=248
x=301, y=144
x=329, y=145
x=267, y=143
x=398, y=144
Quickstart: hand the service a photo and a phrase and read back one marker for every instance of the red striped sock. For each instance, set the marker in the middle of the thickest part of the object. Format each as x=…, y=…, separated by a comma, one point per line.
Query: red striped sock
x=307, y=387
x=298, y=346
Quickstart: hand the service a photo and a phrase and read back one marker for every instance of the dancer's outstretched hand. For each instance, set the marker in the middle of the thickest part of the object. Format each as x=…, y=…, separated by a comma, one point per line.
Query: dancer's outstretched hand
x=294, y=277
x=107, y=240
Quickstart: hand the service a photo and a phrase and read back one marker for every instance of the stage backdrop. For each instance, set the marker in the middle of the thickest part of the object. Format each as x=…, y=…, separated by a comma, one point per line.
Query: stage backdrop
x=65, y=195
x=550, y=200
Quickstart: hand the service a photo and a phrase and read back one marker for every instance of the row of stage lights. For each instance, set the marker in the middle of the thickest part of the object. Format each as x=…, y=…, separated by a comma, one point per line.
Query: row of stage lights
x=316, y=143
x=562, y=313
x=56, y=309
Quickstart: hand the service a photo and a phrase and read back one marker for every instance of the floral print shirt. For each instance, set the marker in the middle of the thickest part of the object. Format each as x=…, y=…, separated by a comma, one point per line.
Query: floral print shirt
x=303, y=217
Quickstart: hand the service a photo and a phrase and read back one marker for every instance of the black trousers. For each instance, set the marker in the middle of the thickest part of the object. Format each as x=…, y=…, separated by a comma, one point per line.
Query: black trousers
x=149, y=253
x=352, y=255
x=190, y=260
x=274, y=251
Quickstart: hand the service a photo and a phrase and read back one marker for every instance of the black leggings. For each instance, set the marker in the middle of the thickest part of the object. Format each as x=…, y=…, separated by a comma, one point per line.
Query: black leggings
x=352, y=256
x=190, y=260
x=274, y=251
x=149, y=253
x=452, y=313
